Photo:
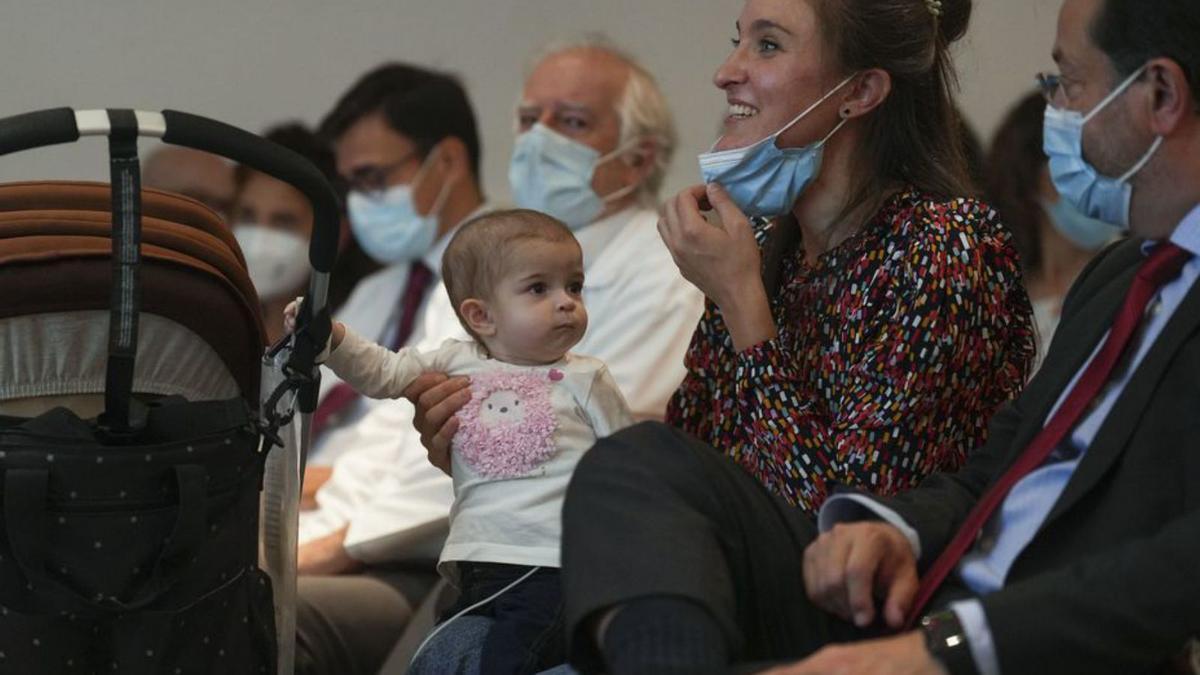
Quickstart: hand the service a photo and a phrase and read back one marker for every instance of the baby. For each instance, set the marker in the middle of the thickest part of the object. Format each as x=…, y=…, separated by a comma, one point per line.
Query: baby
x=515, y=279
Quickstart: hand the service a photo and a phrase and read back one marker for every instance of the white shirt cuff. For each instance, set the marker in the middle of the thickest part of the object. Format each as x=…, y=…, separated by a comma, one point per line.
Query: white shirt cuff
x=979, y=635
x=850, y=507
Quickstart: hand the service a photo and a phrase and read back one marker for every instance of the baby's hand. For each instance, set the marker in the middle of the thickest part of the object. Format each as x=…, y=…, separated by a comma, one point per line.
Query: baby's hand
x=336, y=335
x=289, y=315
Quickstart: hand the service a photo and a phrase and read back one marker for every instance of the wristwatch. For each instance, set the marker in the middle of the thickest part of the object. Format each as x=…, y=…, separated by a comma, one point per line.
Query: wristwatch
x=947, y=642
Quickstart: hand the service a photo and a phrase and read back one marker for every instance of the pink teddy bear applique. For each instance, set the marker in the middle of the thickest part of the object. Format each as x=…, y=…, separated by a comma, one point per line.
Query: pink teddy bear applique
x=507, y=429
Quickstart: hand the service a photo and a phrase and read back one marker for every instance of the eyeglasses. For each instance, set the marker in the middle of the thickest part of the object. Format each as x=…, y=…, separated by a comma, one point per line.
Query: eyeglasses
x=1051, y=86
x=372, y=180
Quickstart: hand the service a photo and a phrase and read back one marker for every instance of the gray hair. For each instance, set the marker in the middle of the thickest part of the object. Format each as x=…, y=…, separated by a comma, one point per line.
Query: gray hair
x=642, y=111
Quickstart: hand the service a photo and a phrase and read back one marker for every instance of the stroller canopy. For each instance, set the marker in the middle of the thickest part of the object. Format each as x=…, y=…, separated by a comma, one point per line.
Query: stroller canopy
x=201, y=336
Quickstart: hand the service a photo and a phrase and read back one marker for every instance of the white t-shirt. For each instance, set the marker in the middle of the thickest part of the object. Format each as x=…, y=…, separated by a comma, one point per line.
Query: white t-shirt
x=518, y=442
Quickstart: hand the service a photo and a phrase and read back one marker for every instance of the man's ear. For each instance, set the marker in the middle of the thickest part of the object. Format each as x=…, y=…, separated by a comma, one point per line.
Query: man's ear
x=478, y=317
x=454, y=159
x=643, y=158
x=1172, y=102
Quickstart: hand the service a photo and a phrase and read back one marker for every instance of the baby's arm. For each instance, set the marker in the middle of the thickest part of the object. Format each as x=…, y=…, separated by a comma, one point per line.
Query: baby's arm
x=374, y=370
x=606, y=406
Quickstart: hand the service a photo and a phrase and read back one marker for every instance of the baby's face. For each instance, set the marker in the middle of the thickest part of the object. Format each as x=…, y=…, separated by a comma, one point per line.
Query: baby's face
x=538, y=305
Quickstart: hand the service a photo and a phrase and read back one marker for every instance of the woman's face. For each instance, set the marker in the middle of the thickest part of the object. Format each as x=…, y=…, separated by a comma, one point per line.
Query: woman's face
x=270, y=202
x=779, y=67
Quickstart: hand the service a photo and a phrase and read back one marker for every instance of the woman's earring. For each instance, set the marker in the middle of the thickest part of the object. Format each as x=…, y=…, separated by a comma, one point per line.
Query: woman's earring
x=845, y=113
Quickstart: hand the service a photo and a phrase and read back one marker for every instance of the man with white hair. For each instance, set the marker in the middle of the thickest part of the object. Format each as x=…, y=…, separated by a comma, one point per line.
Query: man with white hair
x=595, y=138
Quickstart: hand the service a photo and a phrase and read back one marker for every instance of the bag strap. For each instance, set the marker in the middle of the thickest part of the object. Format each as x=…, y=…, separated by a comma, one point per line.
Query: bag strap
x=121, y=414
x=25, y=500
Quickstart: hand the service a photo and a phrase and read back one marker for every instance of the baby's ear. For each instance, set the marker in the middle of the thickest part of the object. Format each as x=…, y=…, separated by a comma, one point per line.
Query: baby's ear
x=478, y=316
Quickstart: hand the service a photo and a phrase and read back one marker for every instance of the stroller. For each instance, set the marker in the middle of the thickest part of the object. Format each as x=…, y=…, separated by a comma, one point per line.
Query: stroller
x=143, y=428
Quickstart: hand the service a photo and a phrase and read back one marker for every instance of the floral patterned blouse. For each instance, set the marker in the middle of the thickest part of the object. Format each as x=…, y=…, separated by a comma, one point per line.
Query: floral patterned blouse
x=893, y=351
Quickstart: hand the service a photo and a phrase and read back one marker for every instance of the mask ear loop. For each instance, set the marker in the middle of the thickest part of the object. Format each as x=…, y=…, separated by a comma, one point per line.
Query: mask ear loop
x=1141, y=163
x=620, y=150
x=813, y=107
x=835, y=130
x=789, y=125
x=1112, y=95
x=444, y=194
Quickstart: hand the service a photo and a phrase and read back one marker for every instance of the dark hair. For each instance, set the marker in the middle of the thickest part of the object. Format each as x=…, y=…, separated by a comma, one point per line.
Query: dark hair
x=1131, y=32
x=477, y=255
x=299, y=139
x=1014, y=169
x=972, y=152
x=914, y=136
x=423, y=105
x=352, y=262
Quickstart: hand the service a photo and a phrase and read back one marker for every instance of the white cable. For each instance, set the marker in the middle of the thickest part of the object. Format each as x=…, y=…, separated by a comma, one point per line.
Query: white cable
x=475, y=606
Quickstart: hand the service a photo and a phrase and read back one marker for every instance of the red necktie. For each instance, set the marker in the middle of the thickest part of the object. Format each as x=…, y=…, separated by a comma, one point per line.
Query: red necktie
x=342, y=395
x=1162, y=265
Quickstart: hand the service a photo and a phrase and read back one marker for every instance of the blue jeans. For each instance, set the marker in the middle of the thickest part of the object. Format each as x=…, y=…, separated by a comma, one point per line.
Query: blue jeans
x=457, y=649
x=517, y=633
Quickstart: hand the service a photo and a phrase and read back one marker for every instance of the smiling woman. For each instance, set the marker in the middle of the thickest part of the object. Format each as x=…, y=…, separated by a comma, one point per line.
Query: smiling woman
x=888, y=321
x=865, y=319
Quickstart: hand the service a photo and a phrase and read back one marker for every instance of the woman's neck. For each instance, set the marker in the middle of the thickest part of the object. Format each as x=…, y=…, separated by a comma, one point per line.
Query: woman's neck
x=821, y=210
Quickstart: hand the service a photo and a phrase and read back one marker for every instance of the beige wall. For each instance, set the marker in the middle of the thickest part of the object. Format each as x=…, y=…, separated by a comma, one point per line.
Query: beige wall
x=254, y=62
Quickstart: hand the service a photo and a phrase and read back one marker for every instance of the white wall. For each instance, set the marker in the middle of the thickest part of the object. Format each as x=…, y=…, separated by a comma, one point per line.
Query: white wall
x=255, y=62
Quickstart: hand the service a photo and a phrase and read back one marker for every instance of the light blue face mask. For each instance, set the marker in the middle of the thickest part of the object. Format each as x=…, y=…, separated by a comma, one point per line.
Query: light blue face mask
x=1078, y=182
x=553, y=174
x=763, y=179
x=1088, y=234
x=388, y=227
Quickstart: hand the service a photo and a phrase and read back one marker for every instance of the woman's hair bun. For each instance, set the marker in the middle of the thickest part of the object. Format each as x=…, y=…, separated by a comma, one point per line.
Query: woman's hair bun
x=954, y=18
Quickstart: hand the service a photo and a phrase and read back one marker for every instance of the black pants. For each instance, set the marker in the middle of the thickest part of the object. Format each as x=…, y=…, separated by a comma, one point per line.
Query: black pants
x=527, y=631
x=652, y=511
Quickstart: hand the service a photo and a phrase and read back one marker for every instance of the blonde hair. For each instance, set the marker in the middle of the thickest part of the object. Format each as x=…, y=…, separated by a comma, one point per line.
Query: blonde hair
x=476, y=257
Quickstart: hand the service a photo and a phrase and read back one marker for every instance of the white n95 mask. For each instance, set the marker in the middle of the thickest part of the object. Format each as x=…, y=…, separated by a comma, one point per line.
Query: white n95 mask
x=276, y=259
x=388, y=227
x=763, y=179
x=1078, y=182
x=553, y=174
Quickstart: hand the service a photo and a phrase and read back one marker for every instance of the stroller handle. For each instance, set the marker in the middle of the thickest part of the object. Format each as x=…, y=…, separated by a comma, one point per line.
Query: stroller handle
x=66, y=125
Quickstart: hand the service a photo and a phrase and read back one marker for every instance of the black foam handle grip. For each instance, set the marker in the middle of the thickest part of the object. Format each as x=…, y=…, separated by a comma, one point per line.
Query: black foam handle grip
x=244, y=147
x=37, y=129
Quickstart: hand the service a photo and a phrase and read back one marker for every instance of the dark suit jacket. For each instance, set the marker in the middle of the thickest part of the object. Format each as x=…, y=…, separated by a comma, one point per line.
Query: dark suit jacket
x=1111, y=581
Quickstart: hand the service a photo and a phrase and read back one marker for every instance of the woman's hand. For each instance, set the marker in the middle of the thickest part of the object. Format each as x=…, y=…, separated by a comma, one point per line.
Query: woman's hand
x=437, y=399
x=722, y=260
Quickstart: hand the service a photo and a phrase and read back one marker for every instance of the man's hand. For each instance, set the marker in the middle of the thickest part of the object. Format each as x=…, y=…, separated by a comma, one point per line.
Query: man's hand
x=314, y=478
x=437, y=398
x=326, y=555
x=846, y=568
x=901, y=655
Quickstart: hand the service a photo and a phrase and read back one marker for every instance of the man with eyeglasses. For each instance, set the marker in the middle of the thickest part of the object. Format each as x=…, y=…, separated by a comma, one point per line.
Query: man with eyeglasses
x=1070, y=541
x=405, y=141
